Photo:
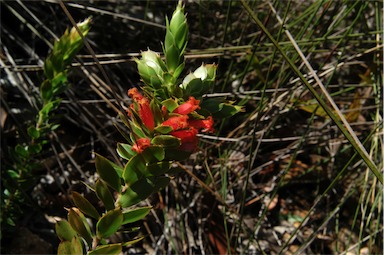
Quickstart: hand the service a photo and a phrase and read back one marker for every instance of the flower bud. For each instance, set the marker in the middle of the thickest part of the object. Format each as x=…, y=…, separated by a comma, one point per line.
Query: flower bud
x=176, y=40
x=151, y=68
x=83, y=27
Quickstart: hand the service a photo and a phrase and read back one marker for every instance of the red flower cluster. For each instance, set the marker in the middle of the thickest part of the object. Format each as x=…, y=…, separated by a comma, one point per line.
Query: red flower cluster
x=183, y=127
x=143, y=108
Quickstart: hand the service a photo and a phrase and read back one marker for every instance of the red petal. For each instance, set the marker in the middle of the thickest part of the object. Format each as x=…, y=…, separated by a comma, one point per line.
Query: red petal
x=146, y=114
x=204, y=125
x=141, y=144
x=134, y=94
x=177, y=122
x=189, y=139
x=191, y=105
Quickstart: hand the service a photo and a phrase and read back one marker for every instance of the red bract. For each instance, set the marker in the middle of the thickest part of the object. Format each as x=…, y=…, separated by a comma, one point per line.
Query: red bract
x=141, y=144
x=144, y=108
x=177, y=122
x=204, y=125
x=188, y=138
x=191, y=105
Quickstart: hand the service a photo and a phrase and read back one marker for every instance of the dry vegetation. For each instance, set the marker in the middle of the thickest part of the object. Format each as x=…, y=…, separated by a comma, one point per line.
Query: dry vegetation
x=279, y=178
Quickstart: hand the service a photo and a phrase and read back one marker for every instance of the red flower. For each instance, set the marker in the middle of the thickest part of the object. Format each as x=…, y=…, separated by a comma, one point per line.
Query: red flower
x=144, y=108
x=141, y=144
x=191, y=105
x=134, y=94
x=177, y=122
x=188, y=137
x=204, y=125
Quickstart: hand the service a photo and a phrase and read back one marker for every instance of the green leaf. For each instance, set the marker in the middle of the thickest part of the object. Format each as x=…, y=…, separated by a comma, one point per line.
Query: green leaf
x=22, y=151
x=84, y=205
x=212, y=105
x=170, y=104
x=178, y=70
x=106, y=170
x=33, y=132
x=129, y=243
x=13, y=174
x=156, y=111
x=64, y=231
x=166, y=141
x=125, y=150
x=134, y=169
x=153, y=154
x=158, y=168
x=109, y=223
x=228, y=110
x=137, y=130
x=110, y=249
x=70, y=247
x=35, y=148
x=78, y=222
x=58, y=81
x=194, y=87
x=136, y=214
x=163, y=129
x=48, y=69
x=142, y=189
x=119, y=170
x=103, y=193
x=47, y=108
x=46, y=91
x=172, y=58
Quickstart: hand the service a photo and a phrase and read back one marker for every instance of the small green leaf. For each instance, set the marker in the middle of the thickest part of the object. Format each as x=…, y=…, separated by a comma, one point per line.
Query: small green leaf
x=136, y=214
x=124, y=150
x=172, y=58
x=106, y=170
x=11, y=222
x=13, y=174
x=170, y=104
x=33, y=132
x=166, y=141
x=35, y=148
x=137, y=130
x=48, y=69
x=64, y=231
x=178, y=70
x=22, y=151
x=163, y=129
x=158, y=168
x=212, y=104
x=109, y=223
x=156, y=111
x=194, y=87
x=47, y=108
x=84, y=205
x=110, y=249
x=78, y=222
x=153, y=154
x=134, y=169
x=103, y=193
x=58, y=81
x=142, y=189
x=129, y=243
x=73, y=247
x=228, y=110
x=46, y=91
